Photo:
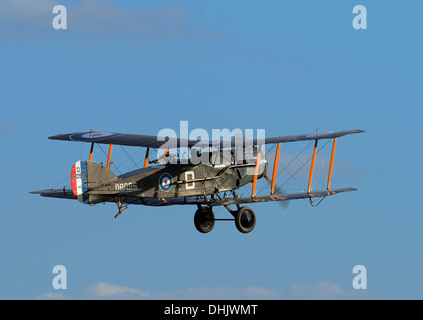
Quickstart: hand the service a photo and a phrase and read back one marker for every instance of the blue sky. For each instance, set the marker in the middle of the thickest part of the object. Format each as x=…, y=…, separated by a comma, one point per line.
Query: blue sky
x=287, y=66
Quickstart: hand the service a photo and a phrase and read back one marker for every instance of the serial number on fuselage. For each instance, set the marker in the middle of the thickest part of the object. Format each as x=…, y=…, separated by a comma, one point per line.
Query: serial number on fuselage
x=126, y=186
x=77, y=176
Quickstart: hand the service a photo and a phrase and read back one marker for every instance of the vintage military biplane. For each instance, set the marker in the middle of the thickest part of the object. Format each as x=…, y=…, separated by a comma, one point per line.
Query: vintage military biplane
x=208, y=183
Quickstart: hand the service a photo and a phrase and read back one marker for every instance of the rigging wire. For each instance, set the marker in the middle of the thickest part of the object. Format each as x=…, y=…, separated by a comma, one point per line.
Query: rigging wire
x=67, y=177
x=304, y=164
x=321, y=167
x=111, y=162
x=136, y=165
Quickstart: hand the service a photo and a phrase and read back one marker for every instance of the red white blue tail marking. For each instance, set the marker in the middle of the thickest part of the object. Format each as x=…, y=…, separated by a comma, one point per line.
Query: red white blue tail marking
x=79, y=181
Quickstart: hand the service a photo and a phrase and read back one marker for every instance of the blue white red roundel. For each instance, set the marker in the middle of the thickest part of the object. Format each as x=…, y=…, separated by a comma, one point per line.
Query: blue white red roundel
x=93, y=136
x=165, y=182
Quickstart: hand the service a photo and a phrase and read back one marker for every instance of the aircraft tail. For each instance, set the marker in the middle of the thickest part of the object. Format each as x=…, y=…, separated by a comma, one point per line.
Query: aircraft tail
x=86, y=175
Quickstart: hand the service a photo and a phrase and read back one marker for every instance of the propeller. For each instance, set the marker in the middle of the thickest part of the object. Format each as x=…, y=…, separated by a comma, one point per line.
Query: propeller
x=278, y=190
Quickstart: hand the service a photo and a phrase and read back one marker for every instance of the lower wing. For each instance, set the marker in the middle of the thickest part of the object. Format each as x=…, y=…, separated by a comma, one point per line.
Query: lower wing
x=67, y=193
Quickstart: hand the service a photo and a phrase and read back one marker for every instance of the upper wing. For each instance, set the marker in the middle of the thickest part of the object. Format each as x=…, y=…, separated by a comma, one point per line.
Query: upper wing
x=124, y=139
x=137, y=140
x=313, y=136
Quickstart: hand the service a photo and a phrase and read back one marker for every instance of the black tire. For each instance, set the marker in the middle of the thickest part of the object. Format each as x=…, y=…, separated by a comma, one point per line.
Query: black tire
x=204, y=220
x=245, y=220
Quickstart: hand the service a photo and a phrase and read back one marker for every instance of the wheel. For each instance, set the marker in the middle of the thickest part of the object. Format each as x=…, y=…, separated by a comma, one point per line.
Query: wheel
x=204, y=220
x=245, y=220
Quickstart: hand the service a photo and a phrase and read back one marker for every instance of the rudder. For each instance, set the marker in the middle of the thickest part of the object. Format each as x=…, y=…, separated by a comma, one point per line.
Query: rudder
x=86, y=175
x=79, y=181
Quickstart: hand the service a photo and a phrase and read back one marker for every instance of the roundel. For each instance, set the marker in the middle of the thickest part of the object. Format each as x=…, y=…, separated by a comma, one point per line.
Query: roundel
x=92, y=136
x=165, y=182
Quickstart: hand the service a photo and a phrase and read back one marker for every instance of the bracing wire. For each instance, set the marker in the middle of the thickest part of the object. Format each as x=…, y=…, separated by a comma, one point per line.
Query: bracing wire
x=111, y=162
x=136, y=165
x=303, y=164
x=67, y=177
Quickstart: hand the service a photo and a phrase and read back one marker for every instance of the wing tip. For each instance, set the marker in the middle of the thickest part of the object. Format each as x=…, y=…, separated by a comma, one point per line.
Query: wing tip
x=60, y=136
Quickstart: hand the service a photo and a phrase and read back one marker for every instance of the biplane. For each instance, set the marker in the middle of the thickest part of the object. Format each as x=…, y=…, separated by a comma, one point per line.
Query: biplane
x=211, y=182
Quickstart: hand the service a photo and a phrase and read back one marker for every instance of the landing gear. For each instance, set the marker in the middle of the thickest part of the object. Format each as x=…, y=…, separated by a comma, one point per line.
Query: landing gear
x=204, y=219
x=245, y=219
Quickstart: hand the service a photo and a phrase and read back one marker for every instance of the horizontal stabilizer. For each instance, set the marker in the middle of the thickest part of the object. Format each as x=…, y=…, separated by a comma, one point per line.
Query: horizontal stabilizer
x=64, y=193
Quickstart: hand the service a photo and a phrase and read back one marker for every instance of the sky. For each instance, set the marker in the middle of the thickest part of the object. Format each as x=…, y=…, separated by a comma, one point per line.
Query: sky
x=288, y=67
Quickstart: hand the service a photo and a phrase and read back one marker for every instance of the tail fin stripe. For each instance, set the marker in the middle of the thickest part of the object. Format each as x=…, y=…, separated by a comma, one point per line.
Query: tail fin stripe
x=79, y=181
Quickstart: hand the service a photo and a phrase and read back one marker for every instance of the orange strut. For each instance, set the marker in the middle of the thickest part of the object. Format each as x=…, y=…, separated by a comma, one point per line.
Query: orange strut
x=166, y=154
x=146, y=158
x=331, y=162
x=91, y=152
x=109, y=156
x=275, y=169
x=120, y=212
x=312, y=167
x=256, y=169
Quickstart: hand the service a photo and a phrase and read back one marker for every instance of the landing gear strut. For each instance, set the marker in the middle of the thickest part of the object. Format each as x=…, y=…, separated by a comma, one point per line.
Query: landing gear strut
x=244, y=217
x=122, y=206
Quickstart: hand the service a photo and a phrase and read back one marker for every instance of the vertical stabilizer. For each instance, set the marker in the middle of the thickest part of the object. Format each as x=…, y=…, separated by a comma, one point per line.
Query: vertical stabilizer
x=87, y=175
